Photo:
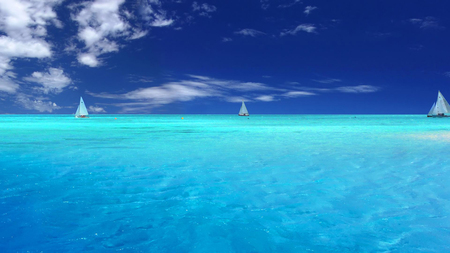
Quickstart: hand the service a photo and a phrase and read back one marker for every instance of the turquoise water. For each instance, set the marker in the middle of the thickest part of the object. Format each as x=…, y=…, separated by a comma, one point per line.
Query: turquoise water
x=223, y=183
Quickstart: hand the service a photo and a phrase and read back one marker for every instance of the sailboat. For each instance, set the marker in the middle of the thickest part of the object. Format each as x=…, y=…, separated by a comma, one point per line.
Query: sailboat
x=81, y=110
x=243, y=111
x=440, y=107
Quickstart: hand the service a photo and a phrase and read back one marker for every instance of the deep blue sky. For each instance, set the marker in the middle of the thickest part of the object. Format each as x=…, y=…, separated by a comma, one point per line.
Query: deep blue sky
x=280, y=56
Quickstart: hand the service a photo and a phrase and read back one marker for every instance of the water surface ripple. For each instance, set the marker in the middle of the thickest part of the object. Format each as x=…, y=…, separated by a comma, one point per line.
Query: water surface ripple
x=223, y=183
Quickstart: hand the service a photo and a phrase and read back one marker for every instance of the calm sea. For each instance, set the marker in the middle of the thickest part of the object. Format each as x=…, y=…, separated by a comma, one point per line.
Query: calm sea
x=223, y=183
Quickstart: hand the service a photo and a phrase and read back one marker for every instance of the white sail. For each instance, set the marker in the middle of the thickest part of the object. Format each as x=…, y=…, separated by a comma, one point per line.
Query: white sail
x=432, y=109
x=243, y=111
x=444, y=107
x=81, y=111
x=440, y=107
x=78, y=111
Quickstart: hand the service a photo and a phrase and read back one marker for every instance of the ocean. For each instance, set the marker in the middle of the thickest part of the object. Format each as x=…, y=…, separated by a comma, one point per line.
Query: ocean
x=223, y=183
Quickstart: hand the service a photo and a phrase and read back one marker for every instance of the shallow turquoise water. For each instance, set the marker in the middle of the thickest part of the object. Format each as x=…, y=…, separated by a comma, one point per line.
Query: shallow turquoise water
x=223, y=183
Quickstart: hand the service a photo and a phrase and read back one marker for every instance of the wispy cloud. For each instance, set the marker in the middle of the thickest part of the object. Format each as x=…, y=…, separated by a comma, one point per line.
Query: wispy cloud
x=249, y=32
x=153, y=13
x=194, y=87
x=237, y=99
x=7, y=83
x=358, y=89
x=265, y=98
x=225, y=39
x=102, y=23
x=161, y=21
x=96, y=109
x=264, y=4
x=40, y=104
x=99, y=22
x=327, y=80
x=343, y=89
x=24, y=27
x=204, y=9
x=292, y=94
x=426, y=23
x=309, y=9
x=52, y=81
x=290, y=4
x=139, y=79
x=23, y=31
x=198, y=87
x=309, y=28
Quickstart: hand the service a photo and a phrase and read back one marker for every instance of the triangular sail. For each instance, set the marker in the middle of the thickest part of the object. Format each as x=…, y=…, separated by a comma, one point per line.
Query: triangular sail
x=435, y=110
x=81, y=109
x=78, y=111
x=243, y=110
x=432, y=109
x=440, y=107
x=444, y=107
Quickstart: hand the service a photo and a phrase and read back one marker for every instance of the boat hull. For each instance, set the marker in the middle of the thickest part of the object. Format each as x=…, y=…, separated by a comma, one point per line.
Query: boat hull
x=437, y=116
x=82, y=117
x=246, y=114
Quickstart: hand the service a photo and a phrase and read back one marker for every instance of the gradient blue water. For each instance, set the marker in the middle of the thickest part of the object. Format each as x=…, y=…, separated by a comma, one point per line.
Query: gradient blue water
x=223, y=183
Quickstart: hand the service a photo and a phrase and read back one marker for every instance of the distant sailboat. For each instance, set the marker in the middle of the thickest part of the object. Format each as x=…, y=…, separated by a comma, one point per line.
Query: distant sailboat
x=243, y=111
x=440, y=107
x=81, y=110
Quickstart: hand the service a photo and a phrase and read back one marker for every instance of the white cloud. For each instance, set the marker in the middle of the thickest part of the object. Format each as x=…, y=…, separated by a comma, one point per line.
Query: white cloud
x=225, y=39
x=236, y=99
x=36, y=48
x=23, y=24
x=232, y=84
x=89, y=59
x=96, y=109
x=298, y=94
x=197, y=87
x=327, y=80
x=265, y=98
x=161, y=22
x=138, y=34
x=7, y=84
x=101, y=24
x=290, y=4
x=308, y=9
x=309, y=28
x=204, y=9
x=249, y=32
x=152, y=12
x=40, y=104
x=186, y=90
x=165, y=94
x=426, y=23
x=53, y=81
x=358, y=89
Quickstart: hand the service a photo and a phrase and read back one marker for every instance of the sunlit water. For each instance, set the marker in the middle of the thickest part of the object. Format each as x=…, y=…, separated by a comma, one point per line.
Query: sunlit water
x=223, y=183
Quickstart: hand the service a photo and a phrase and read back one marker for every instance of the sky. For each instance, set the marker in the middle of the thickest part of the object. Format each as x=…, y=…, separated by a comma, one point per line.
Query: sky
x=181, y=56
